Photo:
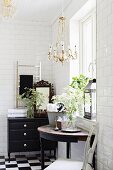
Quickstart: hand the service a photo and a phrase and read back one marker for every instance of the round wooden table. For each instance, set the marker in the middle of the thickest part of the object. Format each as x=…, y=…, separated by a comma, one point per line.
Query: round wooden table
x=48, y=133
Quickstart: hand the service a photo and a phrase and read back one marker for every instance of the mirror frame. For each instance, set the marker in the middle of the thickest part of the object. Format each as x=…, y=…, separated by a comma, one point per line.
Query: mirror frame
x=43, y=84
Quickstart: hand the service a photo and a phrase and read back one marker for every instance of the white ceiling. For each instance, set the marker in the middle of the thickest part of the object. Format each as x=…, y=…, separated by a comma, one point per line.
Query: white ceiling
x=39, y=10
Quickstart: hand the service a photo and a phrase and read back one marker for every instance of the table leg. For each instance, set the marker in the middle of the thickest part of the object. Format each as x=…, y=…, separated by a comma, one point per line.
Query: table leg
x=42, y=154
x=68, y=150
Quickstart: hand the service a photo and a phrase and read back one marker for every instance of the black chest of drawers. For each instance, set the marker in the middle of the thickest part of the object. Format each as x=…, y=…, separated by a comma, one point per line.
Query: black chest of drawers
x=23, y=135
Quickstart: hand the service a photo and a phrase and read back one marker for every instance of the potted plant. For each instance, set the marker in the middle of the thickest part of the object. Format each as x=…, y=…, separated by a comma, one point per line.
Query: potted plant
x=79, y=83
x=73, y=97
x=30, y=98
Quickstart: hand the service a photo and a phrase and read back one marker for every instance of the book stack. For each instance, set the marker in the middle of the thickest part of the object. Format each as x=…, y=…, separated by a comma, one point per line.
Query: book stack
x=17, y=112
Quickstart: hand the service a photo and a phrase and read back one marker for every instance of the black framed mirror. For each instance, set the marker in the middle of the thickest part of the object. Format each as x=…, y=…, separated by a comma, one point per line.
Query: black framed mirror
x=47, y=90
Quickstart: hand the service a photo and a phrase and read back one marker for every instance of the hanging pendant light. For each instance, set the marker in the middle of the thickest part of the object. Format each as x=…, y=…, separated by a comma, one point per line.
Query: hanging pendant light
x=8, y=8
x=61, y=52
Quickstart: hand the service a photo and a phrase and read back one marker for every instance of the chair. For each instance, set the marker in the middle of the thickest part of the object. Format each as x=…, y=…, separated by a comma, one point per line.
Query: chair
x=89, y=150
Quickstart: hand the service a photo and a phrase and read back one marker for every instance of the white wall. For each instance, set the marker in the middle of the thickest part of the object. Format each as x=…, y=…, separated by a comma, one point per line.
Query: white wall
x=105, y=83
x=26, y=42
x=74, y=40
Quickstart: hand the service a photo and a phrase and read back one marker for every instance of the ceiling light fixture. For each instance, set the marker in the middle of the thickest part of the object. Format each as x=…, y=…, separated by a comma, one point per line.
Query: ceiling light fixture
x=8, y=8
x=61, y=52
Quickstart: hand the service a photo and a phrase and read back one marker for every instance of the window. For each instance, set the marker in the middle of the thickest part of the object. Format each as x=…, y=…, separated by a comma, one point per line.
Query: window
x=83, y=35
x=88, y=45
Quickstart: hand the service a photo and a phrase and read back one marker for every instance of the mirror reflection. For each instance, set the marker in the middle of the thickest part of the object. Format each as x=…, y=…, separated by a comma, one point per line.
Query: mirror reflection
x=46, y=89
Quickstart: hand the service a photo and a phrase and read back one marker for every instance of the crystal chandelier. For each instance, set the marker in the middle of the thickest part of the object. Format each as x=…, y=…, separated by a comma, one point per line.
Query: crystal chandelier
x=60, y=52
x=8, y=8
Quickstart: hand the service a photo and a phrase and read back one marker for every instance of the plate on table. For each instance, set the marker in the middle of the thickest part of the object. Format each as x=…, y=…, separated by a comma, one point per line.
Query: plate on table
x=75, y=130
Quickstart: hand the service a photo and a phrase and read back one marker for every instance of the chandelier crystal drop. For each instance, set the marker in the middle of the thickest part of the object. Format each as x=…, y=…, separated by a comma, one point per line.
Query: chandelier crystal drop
x=60, y=52
x=8, y=8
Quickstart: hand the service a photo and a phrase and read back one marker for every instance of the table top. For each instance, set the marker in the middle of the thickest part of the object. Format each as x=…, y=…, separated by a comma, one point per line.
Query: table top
x=47, y=132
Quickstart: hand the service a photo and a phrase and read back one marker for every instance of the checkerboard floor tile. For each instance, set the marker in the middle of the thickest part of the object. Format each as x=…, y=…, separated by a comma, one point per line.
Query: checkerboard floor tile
x=22, y=162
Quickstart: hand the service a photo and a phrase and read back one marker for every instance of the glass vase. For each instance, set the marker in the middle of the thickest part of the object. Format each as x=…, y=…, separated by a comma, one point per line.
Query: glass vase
x=69, y=123
x=30, y=112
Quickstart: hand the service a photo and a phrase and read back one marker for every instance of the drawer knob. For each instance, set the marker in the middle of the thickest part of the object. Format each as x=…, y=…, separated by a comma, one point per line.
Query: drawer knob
x=25, y=125
x=25, y=134
x=25, y=145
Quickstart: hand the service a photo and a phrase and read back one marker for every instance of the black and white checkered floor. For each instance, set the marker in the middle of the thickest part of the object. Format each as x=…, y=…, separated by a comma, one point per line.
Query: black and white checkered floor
x=22, y=162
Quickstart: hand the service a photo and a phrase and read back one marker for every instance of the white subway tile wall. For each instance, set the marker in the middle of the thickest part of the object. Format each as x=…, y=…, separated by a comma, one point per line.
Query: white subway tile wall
x=26, y=42
x=105, y=84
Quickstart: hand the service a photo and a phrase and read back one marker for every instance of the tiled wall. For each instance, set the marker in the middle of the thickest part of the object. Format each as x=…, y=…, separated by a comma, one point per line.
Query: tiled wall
x=26, y=42
x=105, y=83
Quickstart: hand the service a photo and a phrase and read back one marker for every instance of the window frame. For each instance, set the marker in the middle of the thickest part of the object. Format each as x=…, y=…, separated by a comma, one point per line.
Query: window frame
x=92, y=16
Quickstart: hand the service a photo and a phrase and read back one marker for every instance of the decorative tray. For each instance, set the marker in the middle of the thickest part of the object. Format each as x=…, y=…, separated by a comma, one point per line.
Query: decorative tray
x=75, y=130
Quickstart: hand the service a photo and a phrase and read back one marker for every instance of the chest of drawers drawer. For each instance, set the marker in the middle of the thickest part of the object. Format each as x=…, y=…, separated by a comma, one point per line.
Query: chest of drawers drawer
x=22, y=125
x=23, y=146
x=24, y=134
